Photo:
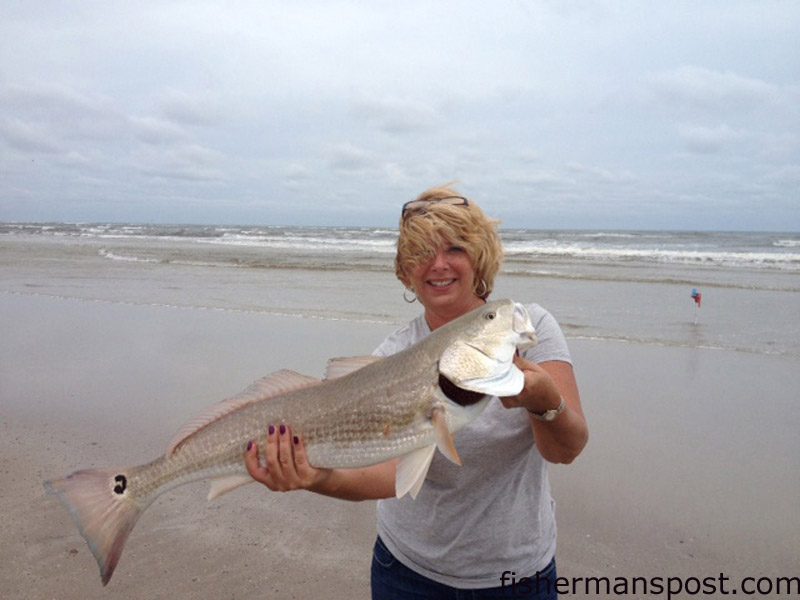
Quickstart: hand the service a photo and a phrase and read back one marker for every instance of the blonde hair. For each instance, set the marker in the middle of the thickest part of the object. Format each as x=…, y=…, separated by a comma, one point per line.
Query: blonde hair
x=422, y=232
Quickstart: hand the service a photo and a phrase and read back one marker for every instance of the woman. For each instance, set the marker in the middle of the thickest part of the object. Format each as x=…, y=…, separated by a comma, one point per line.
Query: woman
x=488, y=526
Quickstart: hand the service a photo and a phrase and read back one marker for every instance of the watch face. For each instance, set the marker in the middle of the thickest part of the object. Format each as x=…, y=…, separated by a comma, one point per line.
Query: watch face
x=549, y=415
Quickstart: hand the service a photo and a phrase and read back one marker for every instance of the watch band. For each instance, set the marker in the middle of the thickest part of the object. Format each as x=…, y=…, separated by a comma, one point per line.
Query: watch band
x=549, y=415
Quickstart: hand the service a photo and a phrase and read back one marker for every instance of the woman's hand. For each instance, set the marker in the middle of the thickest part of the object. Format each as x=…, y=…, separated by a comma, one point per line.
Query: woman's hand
x=286, y=464
x=562, y=439
x=539, y=393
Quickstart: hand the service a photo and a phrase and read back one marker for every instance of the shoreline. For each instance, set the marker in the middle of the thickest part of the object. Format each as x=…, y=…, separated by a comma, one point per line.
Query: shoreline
x=749, y=309
x=678, y=477
x=394, y=322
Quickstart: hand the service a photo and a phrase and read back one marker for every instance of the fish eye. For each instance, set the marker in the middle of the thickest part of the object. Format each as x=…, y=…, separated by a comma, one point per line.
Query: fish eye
x=490, y=315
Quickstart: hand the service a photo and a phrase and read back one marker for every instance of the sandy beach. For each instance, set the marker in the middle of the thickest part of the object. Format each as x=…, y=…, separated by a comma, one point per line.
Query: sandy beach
x=88, y=384
x=688, y=472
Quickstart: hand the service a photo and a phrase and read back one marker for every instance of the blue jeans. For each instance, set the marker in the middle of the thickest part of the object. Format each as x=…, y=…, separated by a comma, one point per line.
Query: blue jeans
x=391, y=580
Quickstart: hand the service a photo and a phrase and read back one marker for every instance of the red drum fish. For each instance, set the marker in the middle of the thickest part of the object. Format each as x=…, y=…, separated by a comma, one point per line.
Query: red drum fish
x=367, y=410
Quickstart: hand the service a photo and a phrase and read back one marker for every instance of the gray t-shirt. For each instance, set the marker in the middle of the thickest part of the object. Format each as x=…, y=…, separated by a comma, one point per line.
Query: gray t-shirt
x=493, y=514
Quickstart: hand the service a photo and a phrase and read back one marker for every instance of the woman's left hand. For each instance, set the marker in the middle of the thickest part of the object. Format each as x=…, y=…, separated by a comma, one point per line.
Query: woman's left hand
x=540, y=392
x=561, y=439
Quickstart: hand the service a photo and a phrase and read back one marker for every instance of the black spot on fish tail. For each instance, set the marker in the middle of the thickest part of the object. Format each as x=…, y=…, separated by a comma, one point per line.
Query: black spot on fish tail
x=122, y=483
x=456, y=394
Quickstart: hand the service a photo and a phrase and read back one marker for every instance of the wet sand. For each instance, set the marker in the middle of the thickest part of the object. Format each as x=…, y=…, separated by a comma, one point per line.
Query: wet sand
x=692, y=467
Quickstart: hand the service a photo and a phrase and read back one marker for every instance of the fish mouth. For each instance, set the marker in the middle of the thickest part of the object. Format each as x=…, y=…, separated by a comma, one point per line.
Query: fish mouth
x=459, y=395
x=522, y=326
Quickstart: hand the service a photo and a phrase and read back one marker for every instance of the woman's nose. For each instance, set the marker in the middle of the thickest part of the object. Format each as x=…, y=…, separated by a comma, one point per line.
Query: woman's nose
x=439, y=260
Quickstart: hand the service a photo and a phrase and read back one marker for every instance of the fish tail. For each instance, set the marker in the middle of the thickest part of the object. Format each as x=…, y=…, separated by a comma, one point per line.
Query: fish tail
x=103, y=510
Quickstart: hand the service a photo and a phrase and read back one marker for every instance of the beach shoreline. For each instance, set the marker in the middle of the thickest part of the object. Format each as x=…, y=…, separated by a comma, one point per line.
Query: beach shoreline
x=91, y=384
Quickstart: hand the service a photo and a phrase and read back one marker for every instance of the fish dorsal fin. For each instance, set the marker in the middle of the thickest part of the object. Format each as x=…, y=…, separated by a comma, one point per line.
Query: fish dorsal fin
x=339, y=367
x=280, y=382
x=444, y=438
x=412, y=469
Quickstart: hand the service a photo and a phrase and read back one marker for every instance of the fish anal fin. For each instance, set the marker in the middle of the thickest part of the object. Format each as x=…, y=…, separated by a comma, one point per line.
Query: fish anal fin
x=223, y=485
x=412, y=469
x=444, y=438
x=276, y=384
x=339, y=367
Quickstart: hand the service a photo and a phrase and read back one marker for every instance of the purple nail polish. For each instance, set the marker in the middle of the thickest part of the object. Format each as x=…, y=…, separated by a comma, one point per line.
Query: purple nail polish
x=249, y=445
x=271, y=429
x=296, y=440
x=283, y=429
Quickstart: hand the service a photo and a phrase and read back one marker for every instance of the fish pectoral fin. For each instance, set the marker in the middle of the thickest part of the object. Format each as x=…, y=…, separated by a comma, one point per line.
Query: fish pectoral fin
x=444, y=438
x=223, y=485
x=339, y=367
x=412, y=469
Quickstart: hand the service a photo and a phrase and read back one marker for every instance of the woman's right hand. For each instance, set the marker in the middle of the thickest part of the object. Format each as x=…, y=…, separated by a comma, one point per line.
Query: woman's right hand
x=286, y=465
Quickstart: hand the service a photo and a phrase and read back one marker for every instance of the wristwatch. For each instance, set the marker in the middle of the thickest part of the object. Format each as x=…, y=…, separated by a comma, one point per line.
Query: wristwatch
x=549, y=415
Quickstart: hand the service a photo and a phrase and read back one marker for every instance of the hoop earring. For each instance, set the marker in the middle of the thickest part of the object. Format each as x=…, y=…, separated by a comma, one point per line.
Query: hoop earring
x=413, y=296
x=485, y=291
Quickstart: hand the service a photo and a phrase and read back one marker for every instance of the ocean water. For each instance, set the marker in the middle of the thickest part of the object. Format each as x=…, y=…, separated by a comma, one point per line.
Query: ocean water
x=626, y=286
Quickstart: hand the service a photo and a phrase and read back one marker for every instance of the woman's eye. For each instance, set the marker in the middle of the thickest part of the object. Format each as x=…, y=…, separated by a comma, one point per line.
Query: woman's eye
x=455, y=249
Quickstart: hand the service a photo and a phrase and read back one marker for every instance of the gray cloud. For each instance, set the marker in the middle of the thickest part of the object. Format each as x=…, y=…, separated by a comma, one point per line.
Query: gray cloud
x=190, y=162
x=704, y=88
x=28, y=137
x=296, y=173
x=189, y=109
x=710, y=140
x=349, y=158
x=595, y=174
x=394, y=115
x=153, y=130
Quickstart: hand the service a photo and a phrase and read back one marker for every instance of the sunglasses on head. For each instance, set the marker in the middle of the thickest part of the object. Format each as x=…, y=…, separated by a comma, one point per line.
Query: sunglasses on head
x=420, y=205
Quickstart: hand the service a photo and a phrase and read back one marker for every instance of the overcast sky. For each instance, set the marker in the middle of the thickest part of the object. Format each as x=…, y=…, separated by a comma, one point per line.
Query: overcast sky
x=551, y=114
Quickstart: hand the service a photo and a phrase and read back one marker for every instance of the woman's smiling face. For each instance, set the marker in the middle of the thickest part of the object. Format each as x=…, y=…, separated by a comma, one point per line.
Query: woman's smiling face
x=445, y=285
